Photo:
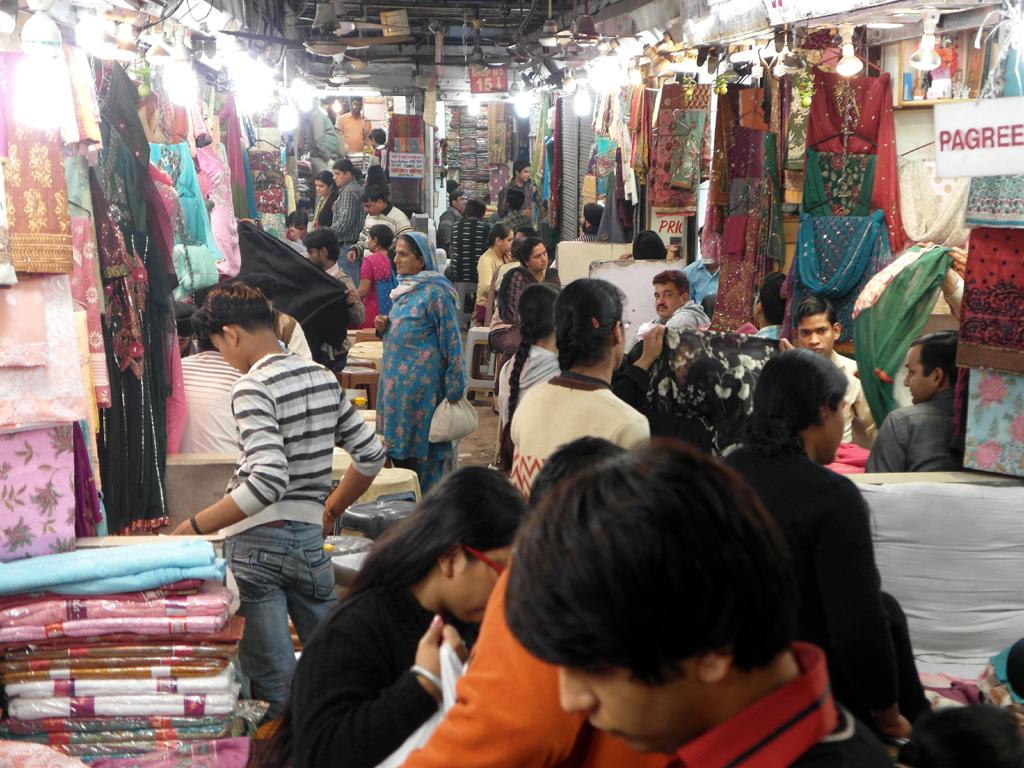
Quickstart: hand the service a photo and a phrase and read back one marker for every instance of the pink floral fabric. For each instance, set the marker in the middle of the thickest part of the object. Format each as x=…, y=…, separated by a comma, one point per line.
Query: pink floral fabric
x=18, y=754
x=37, y=492
x=23, y=327
x=995, y=422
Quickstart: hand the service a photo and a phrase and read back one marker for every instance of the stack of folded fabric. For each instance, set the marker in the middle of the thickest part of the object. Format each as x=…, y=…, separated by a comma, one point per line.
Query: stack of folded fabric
x=119, y=652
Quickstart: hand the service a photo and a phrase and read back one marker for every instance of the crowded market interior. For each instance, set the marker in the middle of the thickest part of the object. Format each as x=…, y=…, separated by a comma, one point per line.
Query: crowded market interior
x=617, y=383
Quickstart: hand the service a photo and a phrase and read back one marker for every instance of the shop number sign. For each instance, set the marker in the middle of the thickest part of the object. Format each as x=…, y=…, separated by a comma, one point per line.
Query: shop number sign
x=488, y=80
x=405, y=165
x=980, y=138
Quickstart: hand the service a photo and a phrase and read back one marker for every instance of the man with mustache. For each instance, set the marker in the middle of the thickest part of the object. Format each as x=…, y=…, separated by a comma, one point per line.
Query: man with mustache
x=673, y=305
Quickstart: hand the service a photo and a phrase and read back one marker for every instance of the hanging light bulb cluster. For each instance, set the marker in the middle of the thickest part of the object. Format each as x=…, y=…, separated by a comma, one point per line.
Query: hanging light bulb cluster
x=850, y=64
x=925, y=57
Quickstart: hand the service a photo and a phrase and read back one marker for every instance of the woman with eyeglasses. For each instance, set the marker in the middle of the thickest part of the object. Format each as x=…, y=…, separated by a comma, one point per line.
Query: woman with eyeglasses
x=590, y=337
x=366, y=680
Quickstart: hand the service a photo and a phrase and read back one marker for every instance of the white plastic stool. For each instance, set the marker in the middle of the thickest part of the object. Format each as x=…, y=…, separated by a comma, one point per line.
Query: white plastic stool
x=480, y=361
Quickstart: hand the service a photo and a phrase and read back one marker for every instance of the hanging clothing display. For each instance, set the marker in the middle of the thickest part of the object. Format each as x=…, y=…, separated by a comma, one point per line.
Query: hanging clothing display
x=83, y=93
x=853, y=116
x=705, y=381
x=885, y=328
x=750, y=242
x=138, y=316
x=836, y=257
x=996, y=201
x=7, y=274
x=86, y=287
x=838, y=185
x=195, y=250
x=995, y=423
x=36, y=195
x=992, y=314
x=676, y=148
x=213, y=165
x=933, y=209
x=640, y=127
x=50, y=393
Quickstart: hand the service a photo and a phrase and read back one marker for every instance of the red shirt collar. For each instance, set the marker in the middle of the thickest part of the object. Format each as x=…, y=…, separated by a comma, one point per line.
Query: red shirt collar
x=775, y=730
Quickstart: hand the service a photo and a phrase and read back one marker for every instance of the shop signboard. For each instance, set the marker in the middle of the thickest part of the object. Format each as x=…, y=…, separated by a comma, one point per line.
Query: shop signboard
x=980, y=138
x=791, y=11
x=670, y=224
x=716, y=21
x=488, y=80
x=405, y=165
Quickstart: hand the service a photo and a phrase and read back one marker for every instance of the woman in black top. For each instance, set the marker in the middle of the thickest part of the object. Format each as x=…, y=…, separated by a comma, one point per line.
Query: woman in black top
x=796, y=427
x=355, y=698
x=326, y=194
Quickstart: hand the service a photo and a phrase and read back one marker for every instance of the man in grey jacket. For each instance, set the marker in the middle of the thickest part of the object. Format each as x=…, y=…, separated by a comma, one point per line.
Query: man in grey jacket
x=673, y=305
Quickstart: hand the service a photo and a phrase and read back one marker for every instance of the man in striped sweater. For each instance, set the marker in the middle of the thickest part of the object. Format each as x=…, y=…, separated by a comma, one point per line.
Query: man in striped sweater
x=290, y=414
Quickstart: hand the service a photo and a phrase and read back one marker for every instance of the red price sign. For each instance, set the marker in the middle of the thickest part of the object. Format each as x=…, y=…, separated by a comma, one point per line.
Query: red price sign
x=488, y=80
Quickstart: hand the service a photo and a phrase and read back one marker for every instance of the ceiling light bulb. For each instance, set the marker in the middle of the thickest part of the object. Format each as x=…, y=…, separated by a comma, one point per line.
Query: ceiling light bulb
x=179, y=79
x=473, y=107
x=336, y=106
x=569, y=82
x=581, y=103
x=303, y=94
x=40, y=36
x=125, y=32
x=849, y=65
x=925, y=58
x=287, y=119
x=7, y=23
x=523, y=103
x=636, y=76
x=90, y=33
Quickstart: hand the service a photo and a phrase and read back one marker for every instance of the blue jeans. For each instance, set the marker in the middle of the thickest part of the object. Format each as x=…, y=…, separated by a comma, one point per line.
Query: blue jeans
x=281, y=572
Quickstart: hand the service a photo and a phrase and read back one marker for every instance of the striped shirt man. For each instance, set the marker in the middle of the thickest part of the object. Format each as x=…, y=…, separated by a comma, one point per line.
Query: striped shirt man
x=290, y=415
x=209, y=424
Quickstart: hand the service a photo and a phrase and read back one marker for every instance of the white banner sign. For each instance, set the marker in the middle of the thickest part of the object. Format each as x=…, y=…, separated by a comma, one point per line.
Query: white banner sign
x=980, y=138
x=791, y=11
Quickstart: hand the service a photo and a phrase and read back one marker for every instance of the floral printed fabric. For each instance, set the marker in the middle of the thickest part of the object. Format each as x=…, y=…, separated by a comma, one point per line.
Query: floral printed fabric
x=706, y=381
x=14, y=754
x=422, y=364
x=995, y=422
x=49, y=394
x=996, y=201
x=37, y=492
x=834, y=186
x=674, y=106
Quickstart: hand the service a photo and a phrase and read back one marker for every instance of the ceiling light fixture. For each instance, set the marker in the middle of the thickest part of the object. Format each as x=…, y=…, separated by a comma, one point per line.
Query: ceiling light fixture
x=925, y=58
x=7, y=23
x=849, y=65
x=581, y=103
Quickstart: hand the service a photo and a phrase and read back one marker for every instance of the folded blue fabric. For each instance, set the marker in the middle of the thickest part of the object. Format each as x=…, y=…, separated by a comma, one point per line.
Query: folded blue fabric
x=51, y=572
x=139, y=582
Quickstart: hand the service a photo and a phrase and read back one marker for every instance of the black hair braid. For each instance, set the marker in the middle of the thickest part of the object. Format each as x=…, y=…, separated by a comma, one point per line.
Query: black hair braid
x=536, y=320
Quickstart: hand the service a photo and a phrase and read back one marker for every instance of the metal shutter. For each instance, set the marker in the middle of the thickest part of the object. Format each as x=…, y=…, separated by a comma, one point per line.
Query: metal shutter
x=570, y=171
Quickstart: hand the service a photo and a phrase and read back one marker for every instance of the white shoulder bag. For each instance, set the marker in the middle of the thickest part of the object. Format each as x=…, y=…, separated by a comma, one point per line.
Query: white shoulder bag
x=453, y=421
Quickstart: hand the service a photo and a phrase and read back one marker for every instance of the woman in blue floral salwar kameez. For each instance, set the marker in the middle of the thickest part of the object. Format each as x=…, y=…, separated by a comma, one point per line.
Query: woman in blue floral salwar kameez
x=422, y=360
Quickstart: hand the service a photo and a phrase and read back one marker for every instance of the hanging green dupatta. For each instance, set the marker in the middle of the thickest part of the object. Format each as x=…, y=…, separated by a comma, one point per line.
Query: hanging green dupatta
x=885, y=330
x=838, y=186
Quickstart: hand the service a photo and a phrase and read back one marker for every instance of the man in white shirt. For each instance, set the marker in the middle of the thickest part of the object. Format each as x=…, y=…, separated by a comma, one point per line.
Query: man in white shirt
x=209, y=422
x=817, y=329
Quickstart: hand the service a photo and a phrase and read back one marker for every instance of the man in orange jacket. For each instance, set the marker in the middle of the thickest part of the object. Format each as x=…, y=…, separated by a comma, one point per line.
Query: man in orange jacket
x=508, y=713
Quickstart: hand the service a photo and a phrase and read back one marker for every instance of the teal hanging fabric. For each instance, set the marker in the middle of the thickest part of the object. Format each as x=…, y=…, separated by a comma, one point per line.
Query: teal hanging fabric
x=195, y=250
x=835, y=258
x=885, y=329
x=835, y=185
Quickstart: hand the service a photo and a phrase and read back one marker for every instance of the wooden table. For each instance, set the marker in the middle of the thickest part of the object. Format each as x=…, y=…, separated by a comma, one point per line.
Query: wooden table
x=369, y=350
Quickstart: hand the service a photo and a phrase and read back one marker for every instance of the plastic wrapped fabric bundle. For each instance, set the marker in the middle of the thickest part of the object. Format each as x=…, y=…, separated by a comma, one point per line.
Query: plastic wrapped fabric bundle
x=112, y=667
x=167, y=704
x=304, y=291
x=94, y=725
x=37, y=689
x=212, y=601
x=223, y=753
x=148, y=625
x=68, y=573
